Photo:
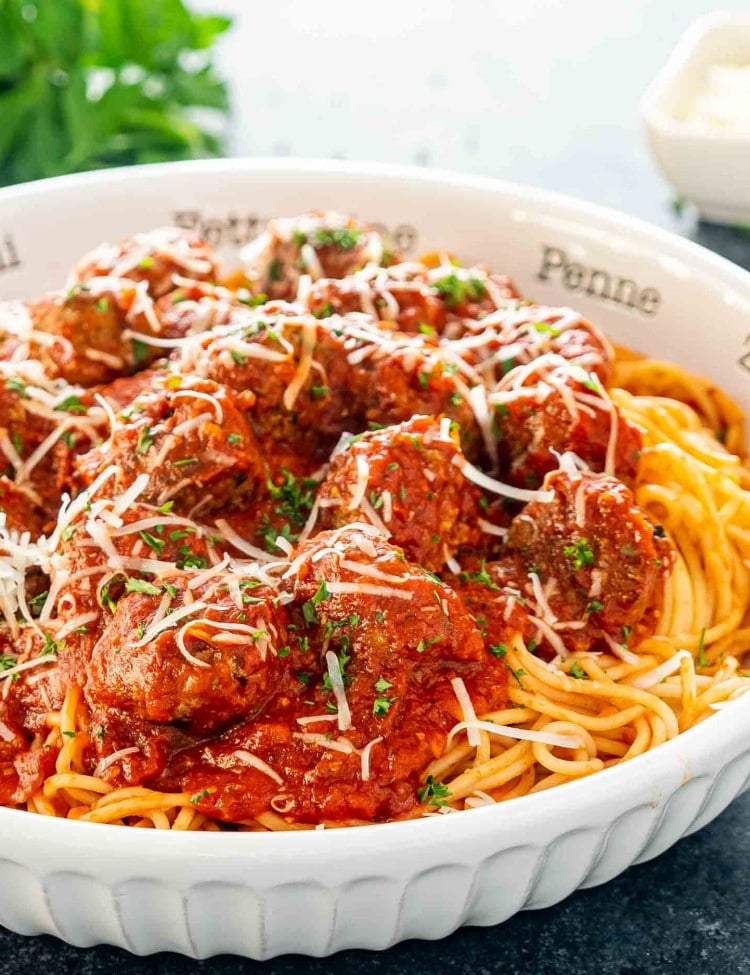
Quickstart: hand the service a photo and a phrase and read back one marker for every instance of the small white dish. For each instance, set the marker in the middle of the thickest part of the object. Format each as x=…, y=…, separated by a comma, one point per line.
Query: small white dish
x=708, y=164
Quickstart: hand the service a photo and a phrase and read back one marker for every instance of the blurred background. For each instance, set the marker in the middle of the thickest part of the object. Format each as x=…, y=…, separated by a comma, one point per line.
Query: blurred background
x=540, y=91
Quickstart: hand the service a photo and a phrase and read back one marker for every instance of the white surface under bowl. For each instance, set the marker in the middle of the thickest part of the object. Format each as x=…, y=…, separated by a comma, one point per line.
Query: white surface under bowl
x=708, y=166
x=317, y=892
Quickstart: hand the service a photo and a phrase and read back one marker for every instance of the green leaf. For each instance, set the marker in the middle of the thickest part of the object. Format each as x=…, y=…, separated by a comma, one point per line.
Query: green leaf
x=57, y=29
x=207, y=28
x=15, y=106
x=200, y=88
x=90, y=83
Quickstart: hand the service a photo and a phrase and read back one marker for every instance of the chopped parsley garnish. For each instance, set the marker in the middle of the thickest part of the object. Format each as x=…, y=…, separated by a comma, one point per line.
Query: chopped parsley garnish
x=577, y=671
x=157, y=544
x=456, y=290
x=498, y=650
x=303, y=677
x=626, y=631
x=104, y=595
x=381, y=706
x=427, y=642
x=238, y=357
x=424, y=379
x=284, y=651
x=16, y=385
x=592, y=384
x=252, y=301
x=142, y=586
x=309, y=607
x=433, y=793
x=102, y=305
x=275, y=270
x=546, y=329
x=145, y=441
x=318, y=392
x=50, y=647
x=184, y=462
x=189, y=560
x=295, y=496
x=69, y=734
x=518, y=674
x=197, y=796
x=482, y=576
x=140, y=352
x=595, y=606
x=580, y=553
x=234, y=438
x=325, y=311
x=71, y=404
x=344, y=237
x=382, y=685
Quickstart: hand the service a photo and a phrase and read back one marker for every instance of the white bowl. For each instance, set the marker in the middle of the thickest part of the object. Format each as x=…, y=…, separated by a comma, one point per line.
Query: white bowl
x=708, y=167
x=317, y=892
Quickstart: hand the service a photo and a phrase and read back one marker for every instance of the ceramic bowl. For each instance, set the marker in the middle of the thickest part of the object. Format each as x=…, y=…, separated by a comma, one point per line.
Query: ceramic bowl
x=317, y=892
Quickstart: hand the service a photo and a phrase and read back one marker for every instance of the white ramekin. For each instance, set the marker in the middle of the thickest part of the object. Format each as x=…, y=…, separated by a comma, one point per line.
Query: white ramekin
x=319, y=892
x=709, y=168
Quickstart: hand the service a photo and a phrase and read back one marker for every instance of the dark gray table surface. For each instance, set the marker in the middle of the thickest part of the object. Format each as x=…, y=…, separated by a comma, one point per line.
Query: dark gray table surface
x=688, y=912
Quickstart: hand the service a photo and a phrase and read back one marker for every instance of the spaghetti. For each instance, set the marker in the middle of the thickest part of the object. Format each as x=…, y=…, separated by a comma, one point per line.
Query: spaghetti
x=259, y=649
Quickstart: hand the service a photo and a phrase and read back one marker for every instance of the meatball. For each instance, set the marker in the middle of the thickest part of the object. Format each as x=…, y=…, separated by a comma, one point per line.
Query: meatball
x=414, y=297
x=495, y=595
x=321, y=245
x=108, y=549
x=397, y=375
x=295, y=367
x=552, y=406
x=600, y=564
x=190, y=437
x=153, y=257
x=43, y=424
x=377, y=643
x=522, y=332
x=216, y=664
x=407, y=479
x=94, y=327
x=21, y=513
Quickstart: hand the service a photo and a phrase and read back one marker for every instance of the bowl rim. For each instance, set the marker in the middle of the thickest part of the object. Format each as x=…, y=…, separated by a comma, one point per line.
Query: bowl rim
x=636, y=780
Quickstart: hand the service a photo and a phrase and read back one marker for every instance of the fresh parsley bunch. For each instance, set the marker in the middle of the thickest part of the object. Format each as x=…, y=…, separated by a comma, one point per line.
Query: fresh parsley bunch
x=95, y=83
